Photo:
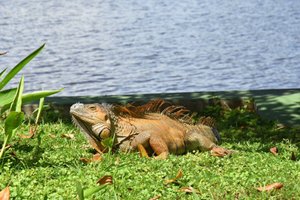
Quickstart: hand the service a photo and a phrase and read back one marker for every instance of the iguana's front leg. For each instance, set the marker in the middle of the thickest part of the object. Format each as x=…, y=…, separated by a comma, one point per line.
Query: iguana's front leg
x=159, y=146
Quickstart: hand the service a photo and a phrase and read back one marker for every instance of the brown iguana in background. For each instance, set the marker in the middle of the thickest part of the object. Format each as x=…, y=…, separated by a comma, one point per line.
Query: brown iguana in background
x=159, y=126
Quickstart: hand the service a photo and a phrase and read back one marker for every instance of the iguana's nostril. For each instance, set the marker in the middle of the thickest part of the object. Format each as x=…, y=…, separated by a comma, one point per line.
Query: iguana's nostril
x=76, y=106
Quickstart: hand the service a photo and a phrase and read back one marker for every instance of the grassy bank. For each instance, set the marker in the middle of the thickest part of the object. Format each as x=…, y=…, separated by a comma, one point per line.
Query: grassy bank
x=50, y=167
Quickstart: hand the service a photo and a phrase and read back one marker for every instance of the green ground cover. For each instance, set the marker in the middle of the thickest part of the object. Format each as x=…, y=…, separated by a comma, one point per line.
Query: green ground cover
x=49, y=166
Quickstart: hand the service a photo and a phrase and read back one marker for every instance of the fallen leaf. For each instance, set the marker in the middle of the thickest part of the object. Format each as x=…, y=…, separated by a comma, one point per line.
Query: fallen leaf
x=96, y=157
x=155, y=198
x=13, y=154
x=4, y=194
x=279, y=126
x=52, y=136
x=117, y=161
x=85, y=160
x=68, y=136
x=86, y=146
x=8, y=146
x=189, y=189
x=32, y=131
x=105, y=180
x=274, y=151
x=293, y=156
x=143, y=152
x=270, y=187
x=179, y=175
x=220, y=151
x=237, y=196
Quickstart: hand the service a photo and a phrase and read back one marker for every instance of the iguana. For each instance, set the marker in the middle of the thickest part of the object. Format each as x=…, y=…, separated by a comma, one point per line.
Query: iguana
x=160, y=127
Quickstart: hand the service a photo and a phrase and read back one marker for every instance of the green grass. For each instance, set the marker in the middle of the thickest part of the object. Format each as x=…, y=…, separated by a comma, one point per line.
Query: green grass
x=52, y=169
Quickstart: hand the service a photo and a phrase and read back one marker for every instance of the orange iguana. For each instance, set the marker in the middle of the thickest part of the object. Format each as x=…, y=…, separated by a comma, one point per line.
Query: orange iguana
x=160, y=127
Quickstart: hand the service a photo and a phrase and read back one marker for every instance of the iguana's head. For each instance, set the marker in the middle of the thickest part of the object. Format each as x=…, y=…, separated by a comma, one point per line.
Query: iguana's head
x=94, y=120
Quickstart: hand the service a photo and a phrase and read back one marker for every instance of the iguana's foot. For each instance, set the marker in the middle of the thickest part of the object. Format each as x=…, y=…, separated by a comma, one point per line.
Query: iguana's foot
x=162, y=156
x=220, y=151
x=142, y=150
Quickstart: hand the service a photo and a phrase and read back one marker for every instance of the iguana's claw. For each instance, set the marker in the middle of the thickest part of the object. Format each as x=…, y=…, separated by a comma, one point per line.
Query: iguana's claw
x=220, y=151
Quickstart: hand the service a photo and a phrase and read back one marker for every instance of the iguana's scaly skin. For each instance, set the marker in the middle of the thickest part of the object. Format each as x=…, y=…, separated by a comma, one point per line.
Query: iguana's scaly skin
x=160, y=127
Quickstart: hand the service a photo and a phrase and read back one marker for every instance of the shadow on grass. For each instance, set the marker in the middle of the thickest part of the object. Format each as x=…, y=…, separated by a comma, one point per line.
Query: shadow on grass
x=278, y=104
x=235, y=126
x=274, y=107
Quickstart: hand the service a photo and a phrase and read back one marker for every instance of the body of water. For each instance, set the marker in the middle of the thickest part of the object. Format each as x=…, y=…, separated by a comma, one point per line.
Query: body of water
x=100, y=47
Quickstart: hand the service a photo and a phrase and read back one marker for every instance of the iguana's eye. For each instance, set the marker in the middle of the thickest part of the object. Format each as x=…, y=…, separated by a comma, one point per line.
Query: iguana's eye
x=105, y=118
x=92, y=107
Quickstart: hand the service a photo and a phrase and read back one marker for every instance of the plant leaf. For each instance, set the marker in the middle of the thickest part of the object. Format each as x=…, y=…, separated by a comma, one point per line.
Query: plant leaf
x=17, y=102
x=90, y=191
x=270, y=187
x=13, y=121
x=108, y=142
x=3, y=71
x=4, y=194
x=19, y=66
x=41, y=105
x=32, y=97
x=39, y=94
x=79, y=191
x=7, y=96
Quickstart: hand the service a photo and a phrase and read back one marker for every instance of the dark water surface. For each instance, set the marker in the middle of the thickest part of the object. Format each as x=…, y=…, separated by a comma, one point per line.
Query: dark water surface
x=123, y=47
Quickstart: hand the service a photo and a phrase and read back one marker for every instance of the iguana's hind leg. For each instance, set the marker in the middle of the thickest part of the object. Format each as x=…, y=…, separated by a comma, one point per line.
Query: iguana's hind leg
x=159, y=146
x=194, y=141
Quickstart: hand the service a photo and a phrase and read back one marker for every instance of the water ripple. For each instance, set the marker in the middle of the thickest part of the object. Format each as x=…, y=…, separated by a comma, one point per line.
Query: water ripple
x=127, y=47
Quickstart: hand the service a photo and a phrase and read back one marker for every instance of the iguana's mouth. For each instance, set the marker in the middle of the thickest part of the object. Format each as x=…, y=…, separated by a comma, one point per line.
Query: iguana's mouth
x=86, y=129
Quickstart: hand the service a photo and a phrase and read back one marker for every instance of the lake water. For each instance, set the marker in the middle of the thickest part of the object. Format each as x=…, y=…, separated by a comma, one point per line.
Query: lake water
x=100, y=47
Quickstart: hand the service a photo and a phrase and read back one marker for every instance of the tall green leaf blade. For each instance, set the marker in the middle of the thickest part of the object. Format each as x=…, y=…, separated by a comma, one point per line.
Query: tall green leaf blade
x=1, y=73
x=79, y=190
x=34, y=96
x=19, y=66
x=39, y=94
x=13, y=121
x=7, y=96
x=17, y=102
x=41, y=105
x=90, y=191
